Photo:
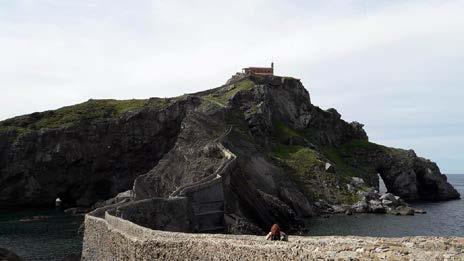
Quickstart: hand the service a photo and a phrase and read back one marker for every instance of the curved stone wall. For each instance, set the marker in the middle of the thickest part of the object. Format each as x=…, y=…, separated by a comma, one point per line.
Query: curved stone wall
x=112, y=238
x=174, y=214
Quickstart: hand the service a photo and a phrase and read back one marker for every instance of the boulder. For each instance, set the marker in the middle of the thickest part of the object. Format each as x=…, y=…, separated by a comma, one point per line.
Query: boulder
x=329, y=168
x=389, y=199
x=388, y=196
x=387, y=202
x=338, y=209
x=403, y=211
x=357, y=182
x=360, y=206
x=375, y=206
x=371, y=195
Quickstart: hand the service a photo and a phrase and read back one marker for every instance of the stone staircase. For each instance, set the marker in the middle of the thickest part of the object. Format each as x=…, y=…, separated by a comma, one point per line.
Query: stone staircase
x=207, y=197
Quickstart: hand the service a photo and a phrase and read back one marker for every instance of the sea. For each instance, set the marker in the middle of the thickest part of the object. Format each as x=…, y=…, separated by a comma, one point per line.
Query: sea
x=52, y=234
x=442, y=219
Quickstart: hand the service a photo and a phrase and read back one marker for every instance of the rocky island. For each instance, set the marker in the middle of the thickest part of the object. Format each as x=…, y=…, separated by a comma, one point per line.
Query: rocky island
x=234, y=159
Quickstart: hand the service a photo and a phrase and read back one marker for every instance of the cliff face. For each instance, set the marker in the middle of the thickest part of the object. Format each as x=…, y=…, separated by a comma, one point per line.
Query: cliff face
x=85, y=159
x=288, y=154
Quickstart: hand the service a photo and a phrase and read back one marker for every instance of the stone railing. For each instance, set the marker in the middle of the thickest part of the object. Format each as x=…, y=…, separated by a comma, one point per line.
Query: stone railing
x=113, y=238
x=213, y=178
x=171, y=214
x=209, y=180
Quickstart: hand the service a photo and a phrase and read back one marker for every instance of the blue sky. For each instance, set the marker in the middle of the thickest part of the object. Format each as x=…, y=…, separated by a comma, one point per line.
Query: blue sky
x=396, y=66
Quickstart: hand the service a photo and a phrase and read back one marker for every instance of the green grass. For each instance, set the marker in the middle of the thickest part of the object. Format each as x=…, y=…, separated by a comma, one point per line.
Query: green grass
x=302, y=164
x=209, y=105
x=306, y=167
x=282, y=132
x=83, y=112
x=297, y=157
x=18, y=130
x=349, y=198
x=344, y=155
x=90, y=110
x=222, y=96
x=341, y=164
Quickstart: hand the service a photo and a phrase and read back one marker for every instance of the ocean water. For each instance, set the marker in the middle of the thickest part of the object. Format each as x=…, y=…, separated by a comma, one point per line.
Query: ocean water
x=55, y=237
x=442, y=219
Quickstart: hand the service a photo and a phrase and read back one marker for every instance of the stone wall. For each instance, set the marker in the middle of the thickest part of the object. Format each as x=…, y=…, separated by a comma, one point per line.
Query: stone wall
x=112, y=238
x=173, y=214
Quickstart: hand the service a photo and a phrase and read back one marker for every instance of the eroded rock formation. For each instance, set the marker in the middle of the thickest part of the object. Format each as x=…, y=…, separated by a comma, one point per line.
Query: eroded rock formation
x=84, y=159
x=250, y=153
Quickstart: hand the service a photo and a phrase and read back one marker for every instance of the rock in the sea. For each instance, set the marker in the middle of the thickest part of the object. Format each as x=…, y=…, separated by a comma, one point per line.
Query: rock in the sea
x=361, y=206
x=372, y=194
x=403, y=211
x=337, y=209
x=387, y=202
x=374, y=202
x=403, y=172
x=375, y=206
x=388, y=196
x=390, y=200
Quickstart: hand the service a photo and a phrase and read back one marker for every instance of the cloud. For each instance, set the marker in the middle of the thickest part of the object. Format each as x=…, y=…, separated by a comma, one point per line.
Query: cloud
x=395, y=66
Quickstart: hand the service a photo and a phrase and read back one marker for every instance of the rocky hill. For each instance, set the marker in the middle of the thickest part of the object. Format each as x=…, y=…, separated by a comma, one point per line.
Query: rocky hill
x=276, y=156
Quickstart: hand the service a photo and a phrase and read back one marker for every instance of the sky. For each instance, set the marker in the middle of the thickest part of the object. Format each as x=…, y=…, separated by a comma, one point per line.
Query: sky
x=395, y=66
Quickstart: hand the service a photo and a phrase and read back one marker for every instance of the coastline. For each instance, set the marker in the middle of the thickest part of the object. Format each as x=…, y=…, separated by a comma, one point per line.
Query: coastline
x=365, y=227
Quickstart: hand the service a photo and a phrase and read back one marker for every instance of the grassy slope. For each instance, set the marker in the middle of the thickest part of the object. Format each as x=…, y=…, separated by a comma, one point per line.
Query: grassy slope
x=222, y=95
x=87, y=111
x=344, y=157
x=100, y=109
x=307, y=168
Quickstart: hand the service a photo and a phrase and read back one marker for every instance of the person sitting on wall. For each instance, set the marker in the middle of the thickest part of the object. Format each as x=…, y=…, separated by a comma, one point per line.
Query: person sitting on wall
x=276, y=234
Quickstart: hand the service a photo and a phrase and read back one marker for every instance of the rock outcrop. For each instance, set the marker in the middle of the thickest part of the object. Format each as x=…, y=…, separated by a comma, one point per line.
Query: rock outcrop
x=369, y=201
x=245, y=155
x=86, y=152
x=403, y=172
